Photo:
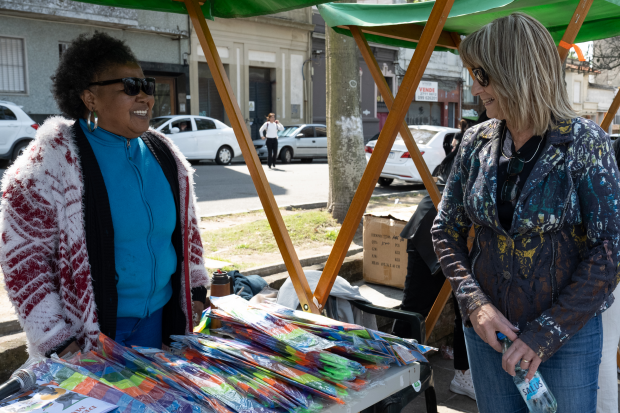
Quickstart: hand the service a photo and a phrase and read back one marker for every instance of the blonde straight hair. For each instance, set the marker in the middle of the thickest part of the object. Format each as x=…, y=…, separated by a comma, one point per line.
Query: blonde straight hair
x=524, y=68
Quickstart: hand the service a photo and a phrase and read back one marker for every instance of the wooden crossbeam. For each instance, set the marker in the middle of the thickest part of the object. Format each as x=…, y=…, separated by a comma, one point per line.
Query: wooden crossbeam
x=251, y=158
x=573, y=27
x=394, y=122
x=409, y=32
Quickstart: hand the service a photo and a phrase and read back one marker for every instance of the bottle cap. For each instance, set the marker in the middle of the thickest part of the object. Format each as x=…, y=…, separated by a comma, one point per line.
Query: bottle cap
x=500, y=336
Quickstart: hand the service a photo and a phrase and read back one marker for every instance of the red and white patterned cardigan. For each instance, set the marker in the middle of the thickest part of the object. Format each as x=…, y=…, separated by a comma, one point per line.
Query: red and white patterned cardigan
x=43, y=244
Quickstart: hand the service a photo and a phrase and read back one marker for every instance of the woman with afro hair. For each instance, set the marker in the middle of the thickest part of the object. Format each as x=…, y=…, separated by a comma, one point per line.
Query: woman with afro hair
x=98, y=219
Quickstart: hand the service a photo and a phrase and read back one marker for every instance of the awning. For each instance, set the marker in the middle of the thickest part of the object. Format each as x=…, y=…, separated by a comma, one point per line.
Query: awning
x=213, y=8
x=400, y=24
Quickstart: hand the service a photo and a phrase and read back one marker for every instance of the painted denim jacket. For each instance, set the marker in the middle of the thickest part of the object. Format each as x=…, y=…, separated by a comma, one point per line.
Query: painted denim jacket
x=557, y=266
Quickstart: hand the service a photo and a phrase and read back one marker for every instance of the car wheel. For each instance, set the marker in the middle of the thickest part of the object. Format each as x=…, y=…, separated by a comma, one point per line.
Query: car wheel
x=19, y=149
x=286, y=155
x=306, y=160
x=385, y=181
x=224, y=155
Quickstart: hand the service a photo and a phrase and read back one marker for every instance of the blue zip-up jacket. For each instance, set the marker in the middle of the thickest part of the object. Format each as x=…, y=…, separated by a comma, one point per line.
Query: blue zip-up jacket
x=144, y=217
x=557, y=265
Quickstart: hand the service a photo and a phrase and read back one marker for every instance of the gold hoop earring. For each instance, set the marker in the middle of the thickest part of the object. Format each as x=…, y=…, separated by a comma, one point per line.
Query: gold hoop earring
x=92, y=114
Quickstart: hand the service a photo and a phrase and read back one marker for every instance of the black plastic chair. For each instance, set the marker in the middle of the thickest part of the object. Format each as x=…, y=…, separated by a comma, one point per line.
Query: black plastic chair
x=397, y=402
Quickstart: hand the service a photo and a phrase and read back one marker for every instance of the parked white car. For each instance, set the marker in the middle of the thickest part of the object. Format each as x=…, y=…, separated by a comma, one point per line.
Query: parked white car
x=17, y=130
x=432, y=141
x=199, y=137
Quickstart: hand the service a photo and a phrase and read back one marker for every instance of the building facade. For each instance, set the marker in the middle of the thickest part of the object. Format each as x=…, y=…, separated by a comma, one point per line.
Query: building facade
x=33, y=35
x=445, y=80
x=589, y=98
x=266, y=60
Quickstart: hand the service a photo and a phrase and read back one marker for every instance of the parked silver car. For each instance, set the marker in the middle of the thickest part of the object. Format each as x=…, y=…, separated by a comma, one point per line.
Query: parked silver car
x=305, y=141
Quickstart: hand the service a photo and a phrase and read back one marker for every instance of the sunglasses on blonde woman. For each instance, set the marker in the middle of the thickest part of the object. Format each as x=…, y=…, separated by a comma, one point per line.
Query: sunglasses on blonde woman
x=481, y=76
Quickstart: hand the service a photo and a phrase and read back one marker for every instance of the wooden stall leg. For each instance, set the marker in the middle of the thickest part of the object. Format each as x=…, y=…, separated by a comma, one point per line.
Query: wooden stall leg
x=428, y=40
x=573, y=28
x=613, y=109
x=251, y=158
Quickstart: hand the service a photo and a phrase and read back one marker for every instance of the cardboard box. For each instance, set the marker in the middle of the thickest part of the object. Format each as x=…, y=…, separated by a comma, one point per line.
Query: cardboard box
x=385, y=252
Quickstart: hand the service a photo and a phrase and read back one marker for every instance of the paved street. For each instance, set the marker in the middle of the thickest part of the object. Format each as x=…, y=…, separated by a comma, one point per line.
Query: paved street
x=229, y=189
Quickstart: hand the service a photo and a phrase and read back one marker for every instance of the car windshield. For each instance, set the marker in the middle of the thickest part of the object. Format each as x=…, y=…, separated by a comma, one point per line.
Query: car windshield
x=288, y=131
x=422, y=136
x=157, y=122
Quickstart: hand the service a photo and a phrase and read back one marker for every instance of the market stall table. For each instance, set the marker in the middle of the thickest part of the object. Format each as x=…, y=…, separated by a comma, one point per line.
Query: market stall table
x=395, y=380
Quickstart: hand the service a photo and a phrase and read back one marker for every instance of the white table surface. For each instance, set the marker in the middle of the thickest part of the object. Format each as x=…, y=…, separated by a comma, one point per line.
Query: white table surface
x=393, y=381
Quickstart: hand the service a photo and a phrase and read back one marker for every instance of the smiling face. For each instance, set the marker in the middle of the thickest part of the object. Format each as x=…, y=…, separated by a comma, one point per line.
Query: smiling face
x=119, y=113
x=489, y=99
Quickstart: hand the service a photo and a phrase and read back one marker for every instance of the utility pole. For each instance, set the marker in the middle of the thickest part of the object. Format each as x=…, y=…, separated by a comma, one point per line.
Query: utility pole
x=345, y=143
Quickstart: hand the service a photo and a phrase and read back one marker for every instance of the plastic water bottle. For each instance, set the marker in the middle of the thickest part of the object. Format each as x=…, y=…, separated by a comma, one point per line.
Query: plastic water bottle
x=536, y=394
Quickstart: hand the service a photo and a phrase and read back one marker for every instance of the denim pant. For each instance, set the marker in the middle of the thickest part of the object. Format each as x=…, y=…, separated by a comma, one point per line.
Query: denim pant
x=143, y=332
x=571, y=373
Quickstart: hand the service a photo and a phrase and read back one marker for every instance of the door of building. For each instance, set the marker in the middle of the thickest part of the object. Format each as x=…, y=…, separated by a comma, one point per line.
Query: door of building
x=165, y=91
x=260, y=98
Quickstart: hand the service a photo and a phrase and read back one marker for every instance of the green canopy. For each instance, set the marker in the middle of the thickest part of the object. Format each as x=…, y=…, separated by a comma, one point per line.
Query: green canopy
x=213, y=8
x=467, y=16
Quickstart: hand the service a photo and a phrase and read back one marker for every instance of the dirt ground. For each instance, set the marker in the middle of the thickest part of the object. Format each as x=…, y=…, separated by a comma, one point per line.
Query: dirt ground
x=401, y=206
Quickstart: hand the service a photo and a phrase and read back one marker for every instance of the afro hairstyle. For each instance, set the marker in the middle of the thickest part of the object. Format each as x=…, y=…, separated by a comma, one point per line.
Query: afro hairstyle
x=85, y=58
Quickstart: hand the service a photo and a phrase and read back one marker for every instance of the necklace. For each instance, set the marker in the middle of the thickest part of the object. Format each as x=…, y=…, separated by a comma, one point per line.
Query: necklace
x=504, y=141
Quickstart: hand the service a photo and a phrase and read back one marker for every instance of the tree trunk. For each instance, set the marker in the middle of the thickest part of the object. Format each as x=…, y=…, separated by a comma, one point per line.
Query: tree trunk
x=345, y=143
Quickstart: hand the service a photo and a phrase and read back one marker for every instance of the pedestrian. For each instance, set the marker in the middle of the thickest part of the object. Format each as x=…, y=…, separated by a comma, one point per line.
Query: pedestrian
x=463, y=126
x=607, y=395
x=98, y=218
x=541, y=187
x=425, y=278
x=271, y=128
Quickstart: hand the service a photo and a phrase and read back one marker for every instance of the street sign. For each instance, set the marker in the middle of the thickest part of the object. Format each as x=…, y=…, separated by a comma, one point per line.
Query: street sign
x=427, y=92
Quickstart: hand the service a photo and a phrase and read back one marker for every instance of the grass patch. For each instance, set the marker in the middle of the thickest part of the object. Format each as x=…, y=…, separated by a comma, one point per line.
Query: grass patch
x=236, y=266
x=312, y=227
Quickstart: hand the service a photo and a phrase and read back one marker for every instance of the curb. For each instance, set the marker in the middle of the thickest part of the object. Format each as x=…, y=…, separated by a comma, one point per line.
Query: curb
x=305, y=262
x=311, y=205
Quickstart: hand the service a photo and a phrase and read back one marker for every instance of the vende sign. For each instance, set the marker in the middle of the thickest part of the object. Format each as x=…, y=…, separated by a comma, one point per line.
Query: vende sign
x=427, y=92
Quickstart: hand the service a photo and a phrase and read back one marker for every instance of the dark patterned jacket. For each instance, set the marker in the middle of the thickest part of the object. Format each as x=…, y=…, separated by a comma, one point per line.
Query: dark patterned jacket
x=557, y=266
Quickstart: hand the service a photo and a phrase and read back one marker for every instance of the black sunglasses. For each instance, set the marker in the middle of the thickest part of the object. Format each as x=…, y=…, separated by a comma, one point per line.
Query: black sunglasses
x=481, y=76
x=132, y=84
x=510, y=190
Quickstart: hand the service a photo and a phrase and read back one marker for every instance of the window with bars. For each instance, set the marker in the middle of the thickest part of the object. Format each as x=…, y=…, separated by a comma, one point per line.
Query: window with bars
x=12, y=65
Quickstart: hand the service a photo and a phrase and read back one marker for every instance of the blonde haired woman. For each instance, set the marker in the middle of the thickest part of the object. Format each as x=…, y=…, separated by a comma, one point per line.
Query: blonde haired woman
x=541, y=187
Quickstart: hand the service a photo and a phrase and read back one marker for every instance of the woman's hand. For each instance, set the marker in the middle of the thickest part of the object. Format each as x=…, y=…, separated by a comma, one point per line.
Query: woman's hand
x=197, y=309
x=487, y=320
x=519, y=351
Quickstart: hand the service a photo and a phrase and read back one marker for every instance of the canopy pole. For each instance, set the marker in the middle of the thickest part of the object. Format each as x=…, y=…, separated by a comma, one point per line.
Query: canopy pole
x=428, y=40
x=573, y=28
x=251, y=158
x=613, y=109
x=388, y=98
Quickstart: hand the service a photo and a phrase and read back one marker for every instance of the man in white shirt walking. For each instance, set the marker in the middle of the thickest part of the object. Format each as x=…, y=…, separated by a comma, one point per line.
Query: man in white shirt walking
x=272, y=126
